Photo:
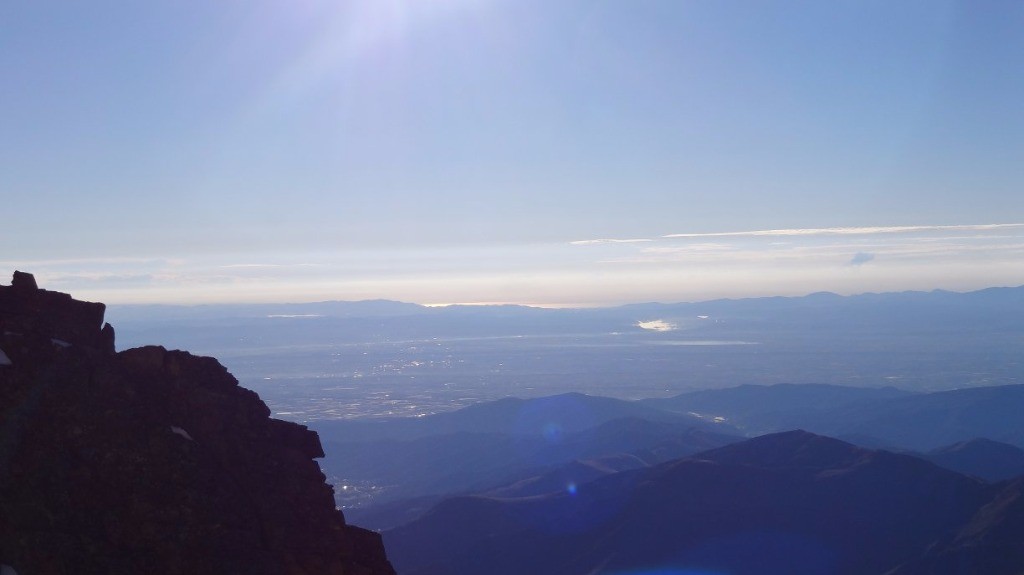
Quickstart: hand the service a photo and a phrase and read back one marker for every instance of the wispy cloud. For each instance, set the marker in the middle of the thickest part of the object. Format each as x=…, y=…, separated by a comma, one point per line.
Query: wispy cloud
x=98, y=279
x=824, y=251
x=689, y=249
x=699, y=266
x=846, y=231
x=861, y=258
x=31, y=264
x=608, y=241
x=267, y=266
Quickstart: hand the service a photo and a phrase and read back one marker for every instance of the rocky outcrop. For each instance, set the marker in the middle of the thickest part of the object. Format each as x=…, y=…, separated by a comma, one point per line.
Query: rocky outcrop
x=26, y=309
x=151, y=461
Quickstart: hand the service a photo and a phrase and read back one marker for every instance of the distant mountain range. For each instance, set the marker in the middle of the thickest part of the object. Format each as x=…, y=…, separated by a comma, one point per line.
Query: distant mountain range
x=499, y=442
x=880, y=417
x=924, y=474
x=891, y=306
x=516, y=447
x=764, y=479
x=789, y=503
x=993, y=309
x=548, y=416
x=302, y=358
x=759, y=409
x=980, y=457
x=887, y=417
x=742, y=479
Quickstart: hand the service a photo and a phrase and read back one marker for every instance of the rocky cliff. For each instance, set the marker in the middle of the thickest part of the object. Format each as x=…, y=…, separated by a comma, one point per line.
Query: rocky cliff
x=151, y=461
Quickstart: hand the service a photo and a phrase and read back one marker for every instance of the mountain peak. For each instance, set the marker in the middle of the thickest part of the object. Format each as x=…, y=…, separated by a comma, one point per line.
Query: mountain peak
x=981, y=457
x=24, y=281
x=797, y=448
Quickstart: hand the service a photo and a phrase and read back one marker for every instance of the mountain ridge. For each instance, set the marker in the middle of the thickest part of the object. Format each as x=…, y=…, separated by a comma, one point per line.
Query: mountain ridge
x=349, y=308
x=793, y=503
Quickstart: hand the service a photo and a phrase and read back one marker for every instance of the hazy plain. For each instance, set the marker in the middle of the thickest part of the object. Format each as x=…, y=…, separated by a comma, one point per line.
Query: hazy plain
x=395, y=360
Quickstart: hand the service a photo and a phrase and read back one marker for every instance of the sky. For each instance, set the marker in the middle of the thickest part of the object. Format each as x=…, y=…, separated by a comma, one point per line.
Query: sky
x=561, y=153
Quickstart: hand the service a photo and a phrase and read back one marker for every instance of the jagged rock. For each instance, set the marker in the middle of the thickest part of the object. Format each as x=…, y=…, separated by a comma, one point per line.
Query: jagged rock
x=151, y=461
x=24, y=281
x=29, y=311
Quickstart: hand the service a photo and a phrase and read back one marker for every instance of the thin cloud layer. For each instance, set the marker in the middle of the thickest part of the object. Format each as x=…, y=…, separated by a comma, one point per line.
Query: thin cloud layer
x=861, y=258
x=605, y=271
x=846, y=231
x=609, y=241
x=799, y=261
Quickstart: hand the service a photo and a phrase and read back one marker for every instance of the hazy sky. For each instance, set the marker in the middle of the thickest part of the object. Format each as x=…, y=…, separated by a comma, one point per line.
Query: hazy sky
x=473, y=150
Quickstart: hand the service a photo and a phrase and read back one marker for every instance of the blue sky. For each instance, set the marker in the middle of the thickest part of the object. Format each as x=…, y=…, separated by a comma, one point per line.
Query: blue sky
x=445, y=151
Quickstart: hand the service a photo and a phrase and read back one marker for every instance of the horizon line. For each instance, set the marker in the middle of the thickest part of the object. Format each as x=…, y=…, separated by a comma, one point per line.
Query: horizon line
x=567, y=306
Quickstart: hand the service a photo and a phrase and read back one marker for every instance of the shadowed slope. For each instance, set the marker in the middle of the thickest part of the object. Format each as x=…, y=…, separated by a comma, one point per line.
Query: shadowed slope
x=786, y=503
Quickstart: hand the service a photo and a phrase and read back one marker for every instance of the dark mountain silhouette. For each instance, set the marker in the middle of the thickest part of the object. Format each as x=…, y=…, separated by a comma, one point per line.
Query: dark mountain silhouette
x=929, y=421
x=984, y=458
x=759, y=409
x=526, y=438
x=568, y=477
x=452, y=463
x=565, y=477
x=879, y=416
x=475, y=462
x=151, y=461
x=788, y=503
x=991, y=543
x=494, y=443
x=654, y=441
x=543, y=417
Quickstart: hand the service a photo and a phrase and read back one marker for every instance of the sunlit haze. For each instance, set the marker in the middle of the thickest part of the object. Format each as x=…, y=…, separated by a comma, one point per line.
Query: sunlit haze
x=571, y=153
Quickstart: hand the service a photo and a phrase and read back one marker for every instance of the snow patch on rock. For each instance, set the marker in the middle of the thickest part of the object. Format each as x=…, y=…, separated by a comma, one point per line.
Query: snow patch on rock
x=179, y=431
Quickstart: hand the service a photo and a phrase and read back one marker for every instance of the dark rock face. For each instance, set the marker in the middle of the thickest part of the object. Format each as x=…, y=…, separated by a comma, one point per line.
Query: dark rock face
x=27, y=310
x=151, y=461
